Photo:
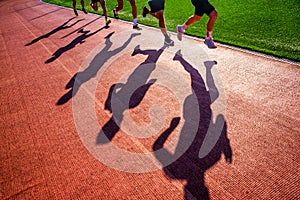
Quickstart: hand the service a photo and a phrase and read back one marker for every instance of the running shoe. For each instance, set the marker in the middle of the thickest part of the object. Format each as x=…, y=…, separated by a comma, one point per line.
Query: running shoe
x=180, y=32
x=169, y=42
x=115, y=13
x=136, y=27
x=108, y=21
x=84, y=11
x=210, y=43
x=145, y=11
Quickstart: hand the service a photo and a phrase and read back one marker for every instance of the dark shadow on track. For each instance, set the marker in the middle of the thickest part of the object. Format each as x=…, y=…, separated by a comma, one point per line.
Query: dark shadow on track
x=47, y=13
x=76, y=30
x=81, y=77
x=130, y=94
x=189, y=166
x=24, y=3
x=61, y=27
x=79, y=40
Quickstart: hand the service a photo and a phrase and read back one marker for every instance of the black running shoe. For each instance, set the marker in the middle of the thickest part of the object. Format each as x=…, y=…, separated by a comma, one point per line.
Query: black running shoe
x=115, y=13
x=83, y=10
x=145, y=11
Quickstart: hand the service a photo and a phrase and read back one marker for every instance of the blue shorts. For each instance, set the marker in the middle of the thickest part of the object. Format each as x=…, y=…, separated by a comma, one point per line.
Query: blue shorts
x=202, y=6
x=156, y=5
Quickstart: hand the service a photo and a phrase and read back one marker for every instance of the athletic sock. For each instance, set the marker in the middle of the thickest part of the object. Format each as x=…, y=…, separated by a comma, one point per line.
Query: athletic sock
x=209, y=34
x=184, y=26
x=135, y=21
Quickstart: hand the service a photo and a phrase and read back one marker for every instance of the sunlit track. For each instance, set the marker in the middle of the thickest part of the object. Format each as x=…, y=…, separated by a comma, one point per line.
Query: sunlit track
x=89, y=112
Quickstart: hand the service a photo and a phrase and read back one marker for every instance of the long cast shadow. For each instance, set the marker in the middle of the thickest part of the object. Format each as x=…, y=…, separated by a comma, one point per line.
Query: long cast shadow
x=32, y=6
x=47, y=13
x=130, y=94
x=76, y=30
x=61, y=27
x=79, y=40
x=98, y=61
x=189, y=166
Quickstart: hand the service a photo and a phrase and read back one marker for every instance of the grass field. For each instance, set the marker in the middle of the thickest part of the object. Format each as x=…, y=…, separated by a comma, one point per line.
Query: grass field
x=266, y=26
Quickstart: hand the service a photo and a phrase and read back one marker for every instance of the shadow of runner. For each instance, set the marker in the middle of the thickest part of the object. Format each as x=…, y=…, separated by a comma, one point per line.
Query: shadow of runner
x=61, y=27
x=79, y=40
x=27, y=7
x=43, y=15
x=189, y=166
x=81, y=27
x=98, y=61
x=130, y=94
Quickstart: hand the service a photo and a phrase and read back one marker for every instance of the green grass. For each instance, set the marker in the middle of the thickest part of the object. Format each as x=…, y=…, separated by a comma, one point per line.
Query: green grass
x=270, y=27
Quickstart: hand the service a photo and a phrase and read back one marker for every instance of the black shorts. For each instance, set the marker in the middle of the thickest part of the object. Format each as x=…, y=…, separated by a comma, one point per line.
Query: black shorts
x=156, y=5
x=94, y=1
x=202, y=6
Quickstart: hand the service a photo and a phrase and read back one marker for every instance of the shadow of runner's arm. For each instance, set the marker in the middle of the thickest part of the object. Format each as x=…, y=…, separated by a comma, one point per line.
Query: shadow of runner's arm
x=159, y=143
x=80, y=28
x=162, y=154
x=107, y=105
x=119, y=49
x=227, y=148
x=61, y=27
x=73, y=23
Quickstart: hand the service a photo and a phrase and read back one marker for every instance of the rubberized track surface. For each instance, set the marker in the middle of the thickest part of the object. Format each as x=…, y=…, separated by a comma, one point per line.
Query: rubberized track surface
x=43, y=157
